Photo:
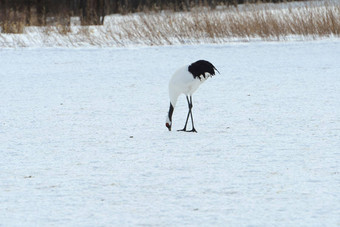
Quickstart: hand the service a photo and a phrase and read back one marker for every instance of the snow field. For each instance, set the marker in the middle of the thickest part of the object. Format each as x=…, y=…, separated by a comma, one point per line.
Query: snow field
x=83, y=140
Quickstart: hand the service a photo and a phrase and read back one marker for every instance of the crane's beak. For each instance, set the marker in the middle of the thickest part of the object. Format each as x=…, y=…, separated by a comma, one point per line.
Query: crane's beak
x=168, y=126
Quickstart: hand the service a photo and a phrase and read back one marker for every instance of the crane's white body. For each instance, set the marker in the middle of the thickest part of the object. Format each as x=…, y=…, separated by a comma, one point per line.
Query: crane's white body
x=183, y=82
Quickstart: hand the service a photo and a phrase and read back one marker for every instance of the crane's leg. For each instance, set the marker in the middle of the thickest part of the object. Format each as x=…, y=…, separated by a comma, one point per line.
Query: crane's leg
x=189, y=114
x=192, y=119
x=186, y=122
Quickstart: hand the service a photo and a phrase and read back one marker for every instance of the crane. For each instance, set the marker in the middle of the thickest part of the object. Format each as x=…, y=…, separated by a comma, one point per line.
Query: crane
x=185, y=81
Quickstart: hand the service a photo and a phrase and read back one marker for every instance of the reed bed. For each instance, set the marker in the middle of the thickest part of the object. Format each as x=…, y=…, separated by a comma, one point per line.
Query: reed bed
x=269, y=22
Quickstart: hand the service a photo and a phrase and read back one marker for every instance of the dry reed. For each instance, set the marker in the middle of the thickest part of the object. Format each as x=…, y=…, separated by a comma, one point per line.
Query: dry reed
x=308, y=20
x=253, y=21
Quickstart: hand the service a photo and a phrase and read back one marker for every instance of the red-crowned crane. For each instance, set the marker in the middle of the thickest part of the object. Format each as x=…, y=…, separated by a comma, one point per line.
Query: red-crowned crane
x=186, y=80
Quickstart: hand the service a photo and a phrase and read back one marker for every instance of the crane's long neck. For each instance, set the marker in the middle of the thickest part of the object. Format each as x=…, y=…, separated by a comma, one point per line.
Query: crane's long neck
x=171, y=111
x=173, y=95
x=169, y=117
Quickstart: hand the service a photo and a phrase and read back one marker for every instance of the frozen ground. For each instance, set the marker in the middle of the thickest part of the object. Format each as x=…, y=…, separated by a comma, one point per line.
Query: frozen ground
x=83, y=141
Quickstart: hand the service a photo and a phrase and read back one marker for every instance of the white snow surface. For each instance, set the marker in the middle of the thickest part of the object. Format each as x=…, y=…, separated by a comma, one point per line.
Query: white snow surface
x=83, y=140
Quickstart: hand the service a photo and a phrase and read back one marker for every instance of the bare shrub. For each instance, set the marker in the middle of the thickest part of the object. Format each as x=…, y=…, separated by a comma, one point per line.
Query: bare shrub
x=13, y=23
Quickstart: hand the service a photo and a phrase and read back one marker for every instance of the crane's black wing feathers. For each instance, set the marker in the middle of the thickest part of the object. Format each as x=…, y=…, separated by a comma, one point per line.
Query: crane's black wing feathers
x=201, y=67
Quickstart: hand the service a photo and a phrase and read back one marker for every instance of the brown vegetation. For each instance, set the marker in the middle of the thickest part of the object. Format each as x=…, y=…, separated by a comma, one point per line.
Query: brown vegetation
x=266, y=22
x=15, y=14
x=200, y=25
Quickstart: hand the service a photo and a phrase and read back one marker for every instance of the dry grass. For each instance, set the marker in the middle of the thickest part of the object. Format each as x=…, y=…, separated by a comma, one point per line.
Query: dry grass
x=309, y=20
x=14, y=24
x=264, y=22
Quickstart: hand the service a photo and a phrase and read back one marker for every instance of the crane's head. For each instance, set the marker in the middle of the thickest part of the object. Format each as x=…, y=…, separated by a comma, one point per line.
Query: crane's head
x=168, y=123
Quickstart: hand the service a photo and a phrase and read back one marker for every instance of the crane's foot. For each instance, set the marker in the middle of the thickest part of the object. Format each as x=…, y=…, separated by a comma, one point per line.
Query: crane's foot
x=184, y=130
x=193, y=130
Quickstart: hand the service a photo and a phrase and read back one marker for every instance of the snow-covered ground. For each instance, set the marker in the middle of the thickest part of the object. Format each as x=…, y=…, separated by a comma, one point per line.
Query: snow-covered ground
x=83, y=140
